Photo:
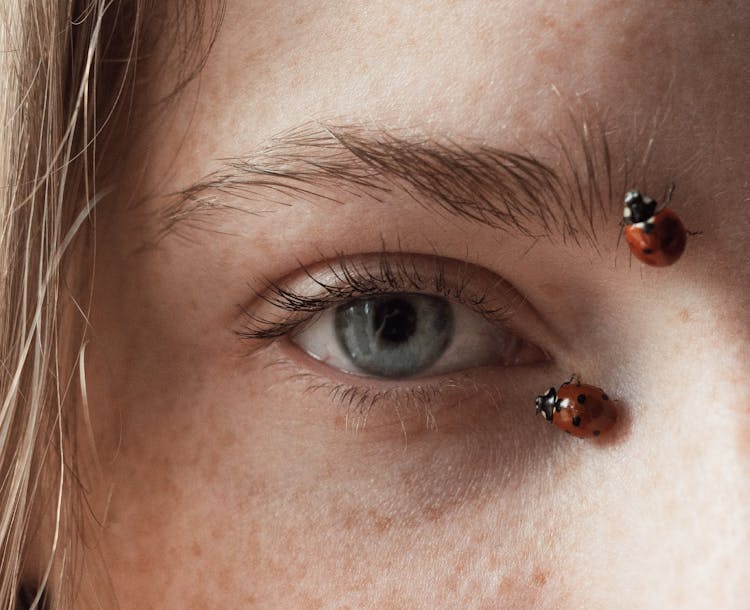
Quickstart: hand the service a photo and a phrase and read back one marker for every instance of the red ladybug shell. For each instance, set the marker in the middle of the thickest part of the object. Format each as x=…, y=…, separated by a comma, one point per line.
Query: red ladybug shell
x=584, y=410
x=659, y=241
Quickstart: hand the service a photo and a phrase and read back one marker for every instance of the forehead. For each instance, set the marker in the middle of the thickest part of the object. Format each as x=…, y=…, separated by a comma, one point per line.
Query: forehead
x=484, y=67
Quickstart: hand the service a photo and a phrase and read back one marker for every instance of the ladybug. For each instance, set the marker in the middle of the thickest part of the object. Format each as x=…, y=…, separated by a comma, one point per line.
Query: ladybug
x=582, y=410
x=655, y=238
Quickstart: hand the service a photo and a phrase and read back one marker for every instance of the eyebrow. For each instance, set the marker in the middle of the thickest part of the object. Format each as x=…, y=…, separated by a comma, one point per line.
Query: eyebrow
x=562, y=197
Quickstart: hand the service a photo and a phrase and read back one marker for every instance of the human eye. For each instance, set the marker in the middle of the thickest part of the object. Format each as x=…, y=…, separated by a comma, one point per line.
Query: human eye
x=409, y=334
x=389, y=327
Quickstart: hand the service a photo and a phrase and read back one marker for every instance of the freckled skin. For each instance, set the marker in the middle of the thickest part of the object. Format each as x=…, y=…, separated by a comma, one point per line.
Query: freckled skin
x=596, y=413
x=663, y=245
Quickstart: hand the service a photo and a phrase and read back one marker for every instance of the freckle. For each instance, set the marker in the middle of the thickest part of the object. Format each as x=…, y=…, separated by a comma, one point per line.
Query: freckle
x=475, y=95
x=506, y=585
x=547, y=21
x=228, y=438
x=381, y=522
x=451, y=583
x=431, y=513
x=196, y=550
x=311, y=602
x=339, y=422
x=549, y=289
x=198, y=600
x=743, y=439
x=684, y=315
x=351, y=519
x=540, y=578
x=225, y=579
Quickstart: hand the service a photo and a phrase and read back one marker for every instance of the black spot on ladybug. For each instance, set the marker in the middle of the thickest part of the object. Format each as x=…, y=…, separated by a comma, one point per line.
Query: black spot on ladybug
x=597, y=432
x=605, y=397
x=648, y=251
x=576, y=421
x=581, y=398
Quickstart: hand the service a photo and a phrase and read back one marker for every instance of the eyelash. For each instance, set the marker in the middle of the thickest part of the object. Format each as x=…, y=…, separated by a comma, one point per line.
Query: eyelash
x=393, y=273
x=358, y=402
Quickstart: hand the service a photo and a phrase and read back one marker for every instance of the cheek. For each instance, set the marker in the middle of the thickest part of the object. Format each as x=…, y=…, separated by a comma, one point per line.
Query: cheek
x=254, y=482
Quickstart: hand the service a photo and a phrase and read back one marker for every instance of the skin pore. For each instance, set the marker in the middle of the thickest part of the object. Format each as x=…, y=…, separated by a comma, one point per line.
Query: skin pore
x=233, y=473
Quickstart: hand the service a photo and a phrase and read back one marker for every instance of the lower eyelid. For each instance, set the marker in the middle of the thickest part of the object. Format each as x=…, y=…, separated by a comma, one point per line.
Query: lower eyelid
x=405, y=407
x=366, y=402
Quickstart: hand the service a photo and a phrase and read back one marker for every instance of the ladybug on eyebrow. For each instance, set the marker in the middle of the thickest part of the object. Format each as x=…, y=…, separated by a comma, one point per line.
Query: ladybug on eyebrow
x=655, y=238
x=579, y=409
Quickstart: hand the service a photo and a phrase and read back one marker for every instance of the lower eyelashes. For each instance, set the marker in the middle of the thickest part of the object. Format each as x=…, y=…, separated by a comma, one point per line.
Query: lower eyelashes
x=395, y=409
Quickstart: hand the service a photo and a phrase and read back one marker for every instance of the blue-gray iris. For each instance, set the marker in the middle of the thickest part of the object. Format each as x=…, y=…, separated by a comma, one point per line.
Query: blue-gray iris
x=395, y=335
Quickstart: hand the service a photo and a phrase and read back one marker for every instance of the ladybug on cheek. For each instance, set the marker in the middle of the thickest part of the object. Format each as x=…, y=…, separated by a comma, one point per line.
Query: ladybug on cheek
x=655, y=238
x=579, y=409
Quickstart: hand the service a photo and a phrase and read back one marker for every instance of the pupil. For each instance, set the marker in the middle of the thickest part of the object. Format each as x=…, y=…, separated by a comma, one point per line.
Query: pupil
x=395, y=320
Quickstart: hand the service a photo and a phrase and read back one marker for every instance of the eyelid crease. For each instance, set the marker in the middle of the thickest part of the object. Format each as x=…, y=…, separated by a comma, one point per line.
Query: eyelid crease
x=371, y=275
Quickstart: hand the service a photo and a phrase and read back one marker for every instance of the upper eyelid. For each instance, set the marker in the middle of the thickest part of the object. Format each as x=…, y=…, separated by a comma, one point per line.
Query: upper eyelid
x=389, y=272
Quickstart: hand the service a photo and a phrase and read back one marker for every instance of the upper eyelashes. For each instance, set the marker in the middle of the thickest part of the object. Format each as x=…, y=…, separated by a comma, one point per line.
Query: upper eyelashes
x=283, y=306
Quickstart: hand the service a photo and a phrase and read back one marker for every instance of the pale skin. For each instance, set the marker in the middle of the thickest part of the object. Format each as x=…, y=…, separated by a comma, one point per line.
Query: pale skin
x=234, y=483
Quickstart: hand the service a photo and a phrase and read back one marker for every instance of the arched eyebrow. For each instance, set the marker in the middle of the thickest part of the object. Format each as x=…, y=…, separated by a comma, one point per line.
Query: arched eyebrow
x=515, y=192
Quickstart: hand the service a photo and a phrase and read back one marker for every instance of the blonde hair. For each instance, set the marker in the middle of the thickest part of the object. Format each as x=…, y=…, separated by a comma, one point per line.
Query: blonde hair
x=67, y=77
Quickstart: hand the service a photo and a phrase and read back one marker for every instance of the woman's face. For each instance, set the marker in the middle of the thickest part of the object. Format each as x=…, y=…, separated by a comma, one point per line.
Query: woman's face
x=327, y=295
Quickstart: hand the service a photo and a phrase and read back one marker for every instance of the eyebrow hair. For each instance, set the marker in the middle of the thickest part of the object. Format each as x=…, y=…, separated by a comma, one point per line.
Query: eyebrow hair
x=505, y=190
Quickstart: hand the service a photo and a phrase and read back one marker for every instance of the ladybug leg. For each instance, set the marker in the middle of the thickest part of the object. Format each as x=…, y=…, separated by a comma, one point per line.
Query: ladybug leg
x=574, y=378
x=668, y=198
x=694, y=233
x=619, y=234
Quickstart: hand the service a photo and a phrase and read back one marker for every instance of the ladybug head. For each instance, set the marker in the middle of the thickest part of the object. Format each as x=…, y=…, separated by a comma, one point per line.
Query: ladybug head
x=545, y=404
x=638, y=208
